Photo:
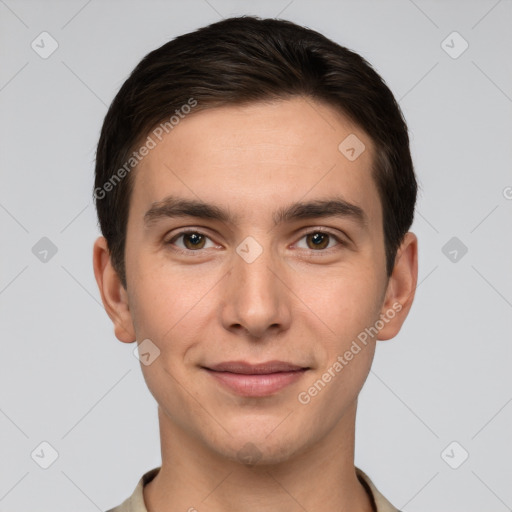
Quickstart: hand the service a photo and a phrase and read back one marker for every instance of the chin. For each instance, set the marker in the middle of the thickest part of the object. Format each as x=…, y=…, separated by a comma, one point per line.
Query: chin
x=259, y=450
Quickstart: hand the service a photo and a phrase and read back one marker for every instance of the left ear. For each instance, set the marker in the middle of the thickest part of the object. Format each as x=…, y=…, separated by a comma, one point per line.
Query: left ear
x=401, y=288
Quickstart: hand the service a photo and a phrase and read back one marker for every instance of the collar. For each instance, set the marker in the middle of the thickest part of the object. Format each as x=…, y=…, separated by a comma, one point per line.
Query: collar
x=135, y=503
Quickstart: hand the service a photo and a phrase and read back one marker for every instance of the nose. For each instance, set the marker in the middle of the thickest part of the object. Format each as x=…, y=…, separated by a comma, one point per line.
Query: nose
x=256, y=299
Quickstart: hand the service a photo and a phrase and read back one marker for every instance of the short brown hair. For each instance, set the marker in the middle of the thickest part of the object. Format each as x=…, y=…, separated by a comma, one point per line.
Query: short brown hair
x=243, y=60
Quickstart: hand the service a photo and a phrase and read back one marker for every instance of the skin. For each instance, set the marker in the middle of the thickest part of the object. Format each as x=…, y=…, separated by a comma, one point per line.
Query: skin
x=291, y=304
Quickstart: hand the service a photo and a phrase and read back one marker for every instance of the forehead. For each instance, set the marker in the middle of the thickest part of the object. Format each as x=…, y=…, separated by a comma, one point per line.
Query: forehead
x=257, y=157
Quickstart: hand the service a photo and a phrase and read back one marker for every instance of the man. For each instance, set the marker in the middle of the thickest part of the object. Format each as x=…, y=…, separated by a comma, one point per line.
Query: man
x=255, y=188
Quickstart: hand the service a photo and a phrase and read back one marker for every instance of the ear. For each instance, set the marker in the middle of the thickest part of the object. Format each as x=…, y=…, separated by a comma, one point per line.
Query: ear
x=113, y=294
x=401, y=288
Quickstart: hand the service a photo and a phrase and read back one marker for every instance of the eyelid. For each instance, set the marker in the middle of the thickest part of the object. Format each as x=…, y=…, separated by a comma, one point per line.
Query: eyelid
x=342, y=242
x=308, y=231
x=186, y=231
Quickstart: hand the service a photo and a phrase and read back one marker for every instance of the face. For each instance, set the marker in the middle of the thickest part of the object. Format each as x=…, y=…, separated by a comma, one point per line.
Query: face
x=285, y=263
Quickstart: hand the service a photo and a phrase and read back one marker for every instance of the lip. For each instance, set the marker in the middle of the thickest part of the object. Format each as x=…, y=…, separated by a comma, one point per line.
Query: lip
x=243, y=367
x=256, y=380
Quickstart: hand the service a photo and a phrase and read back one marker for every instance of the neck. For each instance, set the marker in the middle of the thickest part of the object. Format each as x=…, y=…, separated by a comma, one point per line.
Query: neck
x=193, y=478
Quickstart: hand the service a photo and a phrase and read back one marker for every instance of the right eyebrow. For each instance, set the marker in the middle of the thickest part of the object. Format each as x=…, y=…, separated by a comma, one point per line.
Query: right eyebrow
x=172, y=206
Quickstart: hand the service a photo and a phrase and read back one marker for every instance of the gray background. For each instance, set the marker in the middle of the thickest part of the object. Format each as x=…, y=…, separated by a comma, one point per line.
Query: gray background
x=66, y=380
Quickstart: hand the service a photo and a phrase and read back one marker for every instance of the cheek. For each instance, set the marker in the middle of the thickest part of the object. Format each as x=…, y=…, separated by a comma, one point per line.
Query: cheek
x=175, y=309
x=349, y=306
x=344, y=302
x=169, y=311
x=165, y=297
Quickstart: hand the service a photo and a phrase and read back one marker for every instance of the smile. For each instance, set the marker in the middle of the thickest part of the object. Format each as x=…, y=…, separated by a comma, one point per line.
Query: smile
x=259, y=380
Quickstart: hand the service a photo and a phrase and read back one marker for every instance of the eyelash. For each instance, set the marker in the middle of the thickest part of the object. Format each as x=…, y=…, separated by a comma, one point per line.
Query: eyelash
x=318, y=252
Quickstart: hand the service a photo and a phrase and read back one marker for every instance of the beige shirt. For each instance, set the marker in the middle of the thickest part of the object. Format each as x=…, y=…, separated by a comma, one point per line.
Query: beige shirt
x=135, y=503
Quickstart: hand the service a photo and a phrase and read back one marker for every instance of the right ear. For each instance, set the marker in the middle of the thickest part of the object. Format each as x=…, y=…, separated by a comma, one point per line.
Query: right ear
x=113, y=294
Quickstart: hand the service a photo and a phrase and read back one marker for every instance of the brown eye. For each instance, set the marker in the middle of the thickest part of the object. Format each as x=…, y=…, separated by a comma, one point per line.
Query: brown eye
x=320, y=241
x=317, y=240
x=193, y=240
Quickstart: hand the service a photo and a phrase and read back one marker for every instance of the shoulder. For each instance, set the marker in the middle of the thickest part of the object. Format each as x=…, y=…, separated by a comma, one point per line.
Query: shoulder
x=381, y=504
x=135, y=502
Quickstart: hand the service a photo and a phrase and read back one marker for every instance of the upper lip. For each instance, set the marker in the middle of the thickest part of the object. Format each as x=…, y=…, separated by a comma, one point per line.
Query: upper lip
x=255, y=369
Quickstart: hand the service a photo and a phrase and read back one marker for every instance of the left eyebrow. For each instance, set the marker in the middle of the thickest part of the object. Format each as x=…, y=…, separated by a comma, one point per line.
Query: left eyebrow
x=172, y=206
x=336, y=207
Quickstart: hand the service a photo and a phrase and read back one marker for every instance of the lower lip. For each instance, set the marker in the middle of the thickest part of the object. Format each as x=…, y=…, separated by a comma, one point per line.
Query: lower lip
x=257, y=385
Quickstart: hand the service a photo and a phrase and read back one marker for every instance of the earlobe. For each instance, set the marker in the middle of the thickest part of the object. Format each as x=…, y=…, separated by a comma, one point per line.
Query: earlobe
x=401, y=288
x=113, y=294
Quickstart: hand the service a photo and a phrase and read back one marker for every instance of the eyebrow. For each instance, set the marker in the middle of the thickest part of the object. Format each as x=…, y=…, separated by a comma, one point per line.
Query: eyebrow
x=172, y=207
